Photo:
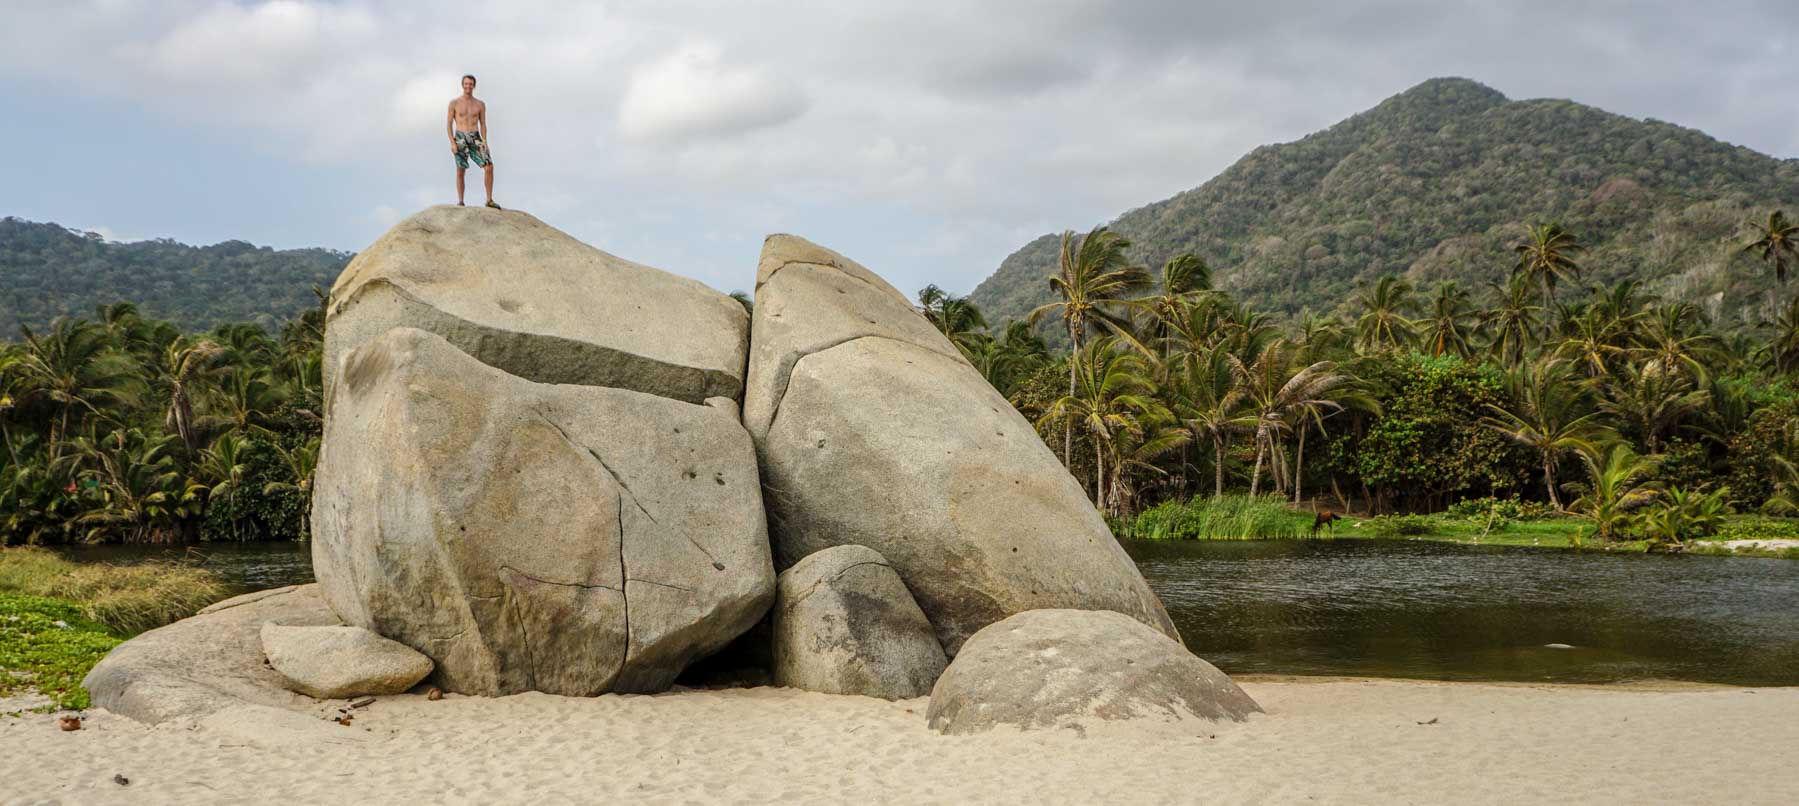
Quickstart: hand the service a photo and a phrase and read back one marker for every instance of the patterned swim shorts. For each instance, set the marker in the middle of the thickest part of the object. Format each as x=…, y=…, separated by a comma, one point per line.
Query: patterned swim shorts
x=470, y=148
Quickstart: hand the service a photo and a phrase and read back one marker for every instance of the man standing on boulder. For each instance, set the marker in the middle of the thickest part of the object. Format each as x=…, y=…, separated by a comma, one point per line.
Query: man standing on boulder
x=467, y=127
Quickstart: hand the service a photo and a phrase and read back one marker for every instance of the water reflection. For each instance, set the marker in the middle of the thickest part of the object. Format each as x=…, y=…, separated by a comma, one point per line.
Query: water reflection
x=244, y=566
x=1452, y=612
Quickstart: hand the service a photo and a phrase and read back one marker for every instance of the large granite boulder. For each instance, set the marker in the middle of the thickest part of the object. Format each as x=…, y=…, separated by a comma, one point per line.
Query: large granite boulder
x=1070, y=668
x=873, y=430
x=571, y=539
x=844, y=623
x=333, y=662
x=208, y=663
x=522, y=296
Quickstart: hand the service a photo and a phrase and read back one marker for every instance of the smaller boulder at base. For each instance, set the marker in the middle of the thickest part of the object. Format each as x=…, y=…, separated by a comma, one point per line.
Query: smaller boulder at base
x=1069, y=668
x=844, y=623
x=336, y=662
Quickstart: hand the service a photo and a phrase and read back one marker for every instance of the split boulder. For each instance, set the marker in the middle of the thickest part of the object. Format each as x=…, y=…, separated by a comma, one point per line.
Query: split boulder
x=570, y=539
x=873, y=430
x=844, y=623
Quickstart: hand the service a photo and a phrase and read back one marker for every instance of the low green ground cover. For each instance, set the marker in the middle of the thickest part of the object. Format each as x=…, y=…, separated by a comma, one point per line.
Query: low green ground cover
x=58, y=618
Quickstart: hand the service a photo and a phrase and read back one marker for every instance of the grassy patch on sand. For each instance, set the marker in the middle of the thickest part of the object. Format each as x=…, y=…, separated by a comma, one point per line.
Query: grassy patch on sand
x=58, y=618
x=127, y=599
x=47, y=646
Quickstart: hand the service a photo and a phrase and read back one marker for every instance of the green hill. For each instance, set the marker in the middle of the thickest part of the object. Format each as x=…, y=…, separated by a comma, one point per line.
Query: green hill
x=1436, y=183
x=51, y=271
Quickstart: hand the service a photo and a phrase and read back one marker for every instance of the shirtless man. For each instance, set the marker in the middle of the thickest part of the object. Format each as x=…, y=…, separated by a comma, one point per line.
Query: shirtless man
x=467, y=126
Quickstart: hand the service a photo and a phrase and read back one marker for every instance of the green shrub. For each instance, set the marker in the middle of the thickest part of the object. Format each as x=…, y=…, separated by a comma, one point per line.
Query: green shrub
x=1228, y=517
x=1758, y=528
x=1399, y=525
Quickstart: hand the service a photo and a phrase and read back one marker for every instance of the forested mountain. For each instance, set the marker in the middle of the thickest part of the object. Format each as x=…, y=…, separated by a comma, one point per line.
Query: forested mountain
x=1437, y=183
x=47, y=271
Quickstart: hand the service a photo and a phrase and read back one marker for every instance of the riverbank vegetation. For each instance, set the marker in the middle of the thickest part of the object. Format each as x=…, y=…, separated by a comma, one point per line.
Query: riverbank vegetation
x=1575, y=413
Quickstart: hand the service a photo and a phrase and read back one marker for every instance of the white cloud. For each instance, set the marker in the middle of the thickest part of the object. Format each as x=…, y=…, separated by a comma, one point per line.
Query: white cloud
x=691, y=93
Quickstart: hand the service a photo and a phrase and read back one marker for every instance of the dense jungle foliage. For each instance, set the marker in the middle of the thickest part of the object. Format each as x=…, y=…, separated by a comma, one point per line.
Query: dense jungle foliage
x=123, y=428
x=51, y=271
x=1636, y=412
x=1436, y=184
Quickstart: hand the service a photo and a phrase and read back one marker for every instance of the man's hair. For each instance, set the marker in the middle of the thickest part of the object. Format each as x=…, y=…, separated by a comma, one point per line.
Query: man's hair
x=471, y=77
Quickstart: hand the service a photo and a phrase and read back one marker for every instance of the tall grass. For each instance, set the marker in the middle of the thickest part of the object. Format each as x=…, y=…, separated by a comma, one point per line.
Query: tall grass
x=1227, y=517
x=127, y=599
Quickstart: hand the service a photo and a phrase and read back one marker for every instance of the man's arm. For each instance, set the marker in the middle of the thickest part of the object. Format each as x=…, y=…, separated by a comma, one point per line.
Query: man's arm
x=481, y=121
x=450, y=126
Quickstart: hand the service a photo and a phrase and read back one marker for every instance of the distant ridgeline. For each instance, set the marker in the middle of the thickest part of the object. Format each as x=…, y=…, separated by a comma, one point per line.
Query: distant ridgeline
x=1437, y=183
x=47, y=270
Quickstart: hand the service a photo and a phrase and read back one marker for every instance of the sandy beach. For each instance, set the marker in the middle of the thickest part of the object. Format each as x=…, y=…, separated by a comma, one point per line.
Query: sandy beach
x=1323, y=740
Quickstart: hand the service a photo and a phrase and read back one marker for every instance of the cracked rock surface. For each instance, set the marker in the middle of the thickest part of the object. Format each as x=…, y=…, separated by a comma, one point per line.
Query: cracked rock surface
x=570, y=539
x=844, y=623
x=526, y=298
x=872, y=430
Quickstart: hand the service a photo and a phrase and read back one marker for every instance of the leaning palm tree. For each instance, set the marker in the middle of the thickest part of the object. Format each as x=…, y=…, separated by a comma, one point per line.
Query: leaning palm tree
x=1383, y=324
x=1550, y=414
x=1777, y=242
x=1448, y=327
x=1546, y=255
x=1092, y=273
x=1274, y=389
x=1111, y=390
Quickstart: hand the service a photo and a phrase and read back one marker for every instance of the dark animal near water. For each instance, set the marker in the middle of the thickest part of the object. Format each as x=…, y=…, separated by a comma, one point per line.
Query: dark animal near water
x=1326, y=519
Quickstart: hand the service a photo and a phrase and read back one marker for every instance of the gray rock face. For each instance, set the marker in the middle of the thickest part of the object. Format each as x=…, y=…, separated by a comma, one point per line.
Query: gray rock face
x=527, y=536
x=1066, y=668
x=844, y=623
x=334, y=662
x=873, y=430
x=526, y=298
x=205, y=664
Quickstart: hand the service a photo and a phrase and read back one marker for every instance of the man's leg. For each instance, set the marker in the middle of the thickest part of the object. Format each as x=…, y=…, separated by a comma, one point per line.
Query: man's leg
x=487, y=179
x=459, y=173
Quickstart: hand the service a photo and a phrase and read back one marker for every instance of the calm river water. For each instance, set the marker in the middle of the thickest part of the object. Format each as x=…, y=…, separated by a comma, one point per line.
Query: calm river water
x=1396, y=608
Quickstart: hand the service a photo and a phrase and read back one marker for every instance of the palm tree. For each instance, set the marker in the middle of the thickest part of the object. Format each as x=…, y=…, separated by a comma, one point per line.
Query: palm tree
x=1671, y=339
x=1513, y=322
x=1183, y=277
x=1547, y=415
x=1783, y=347
x=1777, y=242
x=1447, y=328
x=299, y=463
x=181, y=364
x=1546, y=255
x=1092, y=272
x=1273, y=391
x=1383, y=324
x=1203, y=395
x=75, y=367
x=1112, y=389
x=1596, y=340
x=1619, y=484
x=1653, y=403
x=137, y=480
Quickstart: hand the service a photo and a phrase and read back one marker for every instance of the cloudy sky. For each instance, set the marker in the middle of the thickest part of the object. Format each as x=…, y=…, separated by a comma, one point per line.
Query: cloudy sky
x=925, y=139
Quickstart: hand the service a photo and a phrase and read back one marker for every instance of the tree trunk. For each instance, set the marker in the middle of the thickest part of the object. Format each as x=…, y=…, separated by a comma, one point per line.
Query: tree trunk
x=1255, y=476
x=1074, y=349
x=1549, y=482
x=1099, y=476
x=1299, y=464
x=1217, y=464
